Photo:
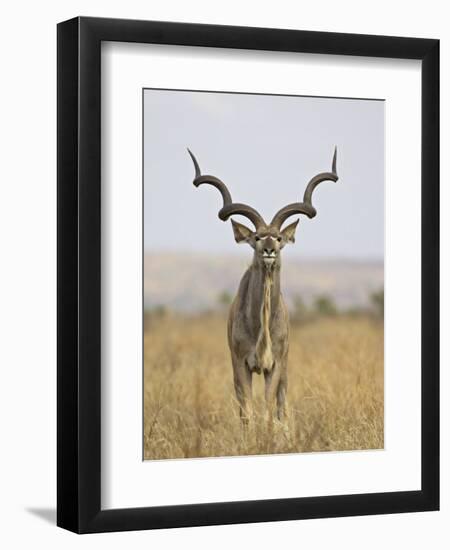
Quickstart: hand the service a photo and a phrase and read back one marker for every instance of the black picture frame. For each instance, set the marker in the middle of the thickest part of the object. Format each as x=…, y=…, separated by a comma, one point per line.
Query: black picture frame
x=79, y=275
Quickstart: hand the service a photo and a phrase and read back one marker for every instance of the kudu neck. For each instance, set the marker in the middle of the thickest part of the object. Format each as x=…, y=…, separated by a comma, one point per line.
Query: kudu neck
x=261, y=276
x=262, y=271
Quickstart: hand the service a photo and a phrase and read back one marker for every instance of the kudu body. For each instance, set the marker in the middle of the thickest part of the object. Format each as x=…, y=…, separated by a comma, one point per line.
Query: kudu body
x=258, y=322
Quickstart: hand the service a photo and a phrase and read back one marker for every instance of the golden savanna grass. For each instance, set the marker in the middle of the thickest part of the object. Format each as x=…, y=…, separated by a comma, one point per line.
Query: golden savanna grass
x=335, y=391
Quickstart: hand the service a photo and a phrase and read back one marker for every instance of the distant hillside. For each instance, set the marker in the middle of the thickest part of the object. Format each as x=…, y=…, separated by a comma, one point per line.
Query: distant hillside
x=192, y=282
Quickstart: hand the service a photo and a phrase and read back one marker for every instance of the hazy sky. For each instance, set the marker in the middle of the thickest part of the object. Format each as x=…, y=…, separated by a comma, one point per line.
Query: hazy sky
x=265, y=148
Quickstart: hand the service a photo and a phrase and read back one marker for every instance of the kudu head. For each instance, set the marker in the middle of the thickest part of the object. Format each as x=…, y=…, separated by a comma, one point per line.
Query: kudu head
x=267, y=239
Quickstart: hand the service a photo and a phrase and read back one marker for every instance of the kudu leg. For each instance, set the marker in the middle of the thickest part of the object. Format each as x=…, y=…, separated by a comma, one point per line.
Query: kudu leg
x=281, y=398
x=271, y=379
x=243, y=388
x=275, y=391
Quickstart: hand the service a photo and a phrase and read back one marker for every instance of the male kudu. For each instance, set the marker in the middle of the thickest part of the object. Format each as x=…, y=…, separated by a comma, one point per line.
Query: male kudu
x=258, y=323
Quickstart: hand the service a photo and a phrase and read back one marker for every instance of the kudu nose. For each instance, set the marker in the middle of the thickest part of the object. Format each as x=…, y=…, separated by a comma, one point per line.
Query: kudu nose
x=269, y=251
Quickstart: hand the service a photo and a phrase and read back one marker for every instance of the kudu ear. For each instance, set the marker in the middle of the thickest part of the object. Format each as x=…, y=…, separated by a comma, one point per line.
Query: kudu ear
x=288, y=232
x=241, y=233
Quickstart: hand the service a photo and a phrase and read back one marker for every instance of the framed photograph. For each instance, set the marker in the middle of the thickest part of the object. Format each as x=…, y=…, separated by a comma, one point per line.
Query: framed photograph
x=248, y=275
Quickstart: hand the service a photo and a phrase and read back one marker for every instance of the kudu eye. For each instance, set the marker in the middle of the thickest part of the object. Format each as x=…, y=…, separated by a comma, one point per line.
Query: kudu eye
x=279, y=239
x=257, y=238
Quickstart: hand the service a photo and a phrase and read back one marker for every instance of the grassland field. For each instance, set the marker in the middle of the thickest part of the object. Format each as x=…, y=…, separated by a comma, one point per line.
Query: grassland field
x=334, y=398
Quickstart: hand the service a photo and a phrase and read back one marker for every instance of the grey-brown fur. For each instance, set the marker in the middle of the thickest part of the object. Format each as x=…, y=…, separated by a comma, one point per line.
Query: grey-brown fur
x=258, y=322
x=247, y=325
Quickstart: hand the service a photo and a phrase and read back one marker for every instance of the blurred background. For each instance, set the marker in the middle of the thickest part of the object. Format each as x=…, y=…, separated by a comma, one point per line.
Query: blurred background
x=265, y=148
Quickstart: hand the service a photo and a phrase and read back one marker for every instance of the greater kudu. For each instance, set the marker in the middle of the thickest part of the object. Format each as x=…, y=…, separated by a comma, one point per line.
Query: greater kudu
x=258, y=323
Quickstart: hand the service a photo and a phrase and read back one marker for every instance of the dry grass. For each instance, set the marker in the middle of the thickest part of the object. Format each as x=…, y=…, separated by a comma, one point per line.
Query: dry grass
x=335, y=393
